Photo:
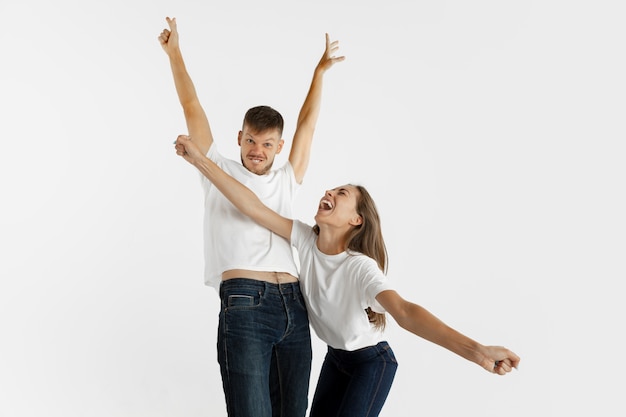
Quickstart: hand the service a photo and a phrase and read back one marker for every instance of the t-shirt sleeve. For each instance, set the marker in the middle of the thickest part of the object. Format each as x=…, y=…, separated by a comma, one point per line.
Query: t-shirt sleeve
x=301, y=235
x=293, y=184
x=214, y=155
x=373, y=282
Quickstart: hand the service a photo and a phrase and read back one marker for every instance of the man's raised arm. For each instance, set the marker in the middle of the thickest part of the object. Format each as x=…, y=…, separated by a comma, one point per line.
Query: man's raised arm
x=197, y=122
x=307, y=119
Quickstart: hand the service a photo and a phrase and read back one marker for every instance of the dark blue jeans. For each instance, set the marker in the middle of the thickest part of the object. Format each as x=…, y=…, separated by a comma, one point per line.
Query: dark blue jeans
x=354, y=383
x=264, y=349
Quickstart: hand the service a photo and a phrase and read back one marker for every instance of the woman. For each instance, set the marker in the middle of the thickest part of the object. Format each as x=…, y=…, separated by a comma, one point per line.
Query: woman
x=342, y=273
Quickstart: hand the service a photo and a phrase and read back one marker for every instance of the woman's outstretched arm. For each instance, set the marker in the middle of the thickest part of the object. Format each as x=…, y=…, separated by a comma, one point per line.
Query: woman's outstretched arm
x=421, y=322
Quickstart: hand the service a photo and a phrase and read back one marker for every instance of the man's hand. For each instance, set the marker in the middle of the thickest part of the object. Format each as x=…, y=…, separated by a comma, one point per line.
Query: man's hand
x=329, y=58
x=169, y=38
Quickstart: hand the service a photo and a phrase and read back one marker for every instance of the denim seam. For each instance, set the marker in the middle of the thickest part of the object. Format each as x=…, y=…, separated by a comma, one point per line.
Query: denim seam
x=380, y=378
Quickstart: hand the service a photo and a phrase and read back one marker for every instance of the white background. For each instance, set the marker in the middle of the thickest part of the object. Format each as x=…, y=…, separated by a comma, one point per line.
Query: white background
x=489, y=133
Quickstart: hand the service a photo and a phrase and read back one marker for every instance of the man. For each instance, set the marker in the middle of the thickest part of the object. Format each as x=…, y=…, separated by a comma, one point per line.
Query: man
x=264, y=346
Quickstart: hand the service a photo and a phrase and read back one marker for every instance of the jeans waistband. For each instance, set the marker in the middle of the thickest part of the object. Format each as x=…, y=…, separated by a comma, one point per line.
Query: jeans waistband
x=264, y=286
x=359, y=354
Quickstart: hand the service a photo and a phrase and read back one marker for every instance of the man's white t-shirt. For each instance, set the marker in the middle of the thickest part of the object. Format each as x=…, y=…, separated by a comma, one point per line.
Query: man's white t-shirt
x=337, y=290
x=233, y=240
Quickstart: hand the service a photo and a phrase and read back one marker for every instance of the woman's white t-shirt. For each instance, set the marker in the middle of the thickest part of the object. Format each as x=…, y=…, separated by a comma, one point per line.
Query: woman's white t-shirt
x=337, y=290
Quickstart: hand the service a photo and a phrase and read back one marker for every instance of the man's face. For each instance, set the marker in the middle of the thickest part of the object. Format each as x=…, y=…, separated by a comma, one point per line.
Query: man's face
x=258, y=149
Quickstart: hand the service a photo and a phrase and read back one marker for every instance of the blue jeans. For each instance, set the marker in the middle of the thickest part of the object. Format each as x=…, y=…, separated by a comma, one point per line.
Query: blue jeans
x=264, y=349
x=354, y=383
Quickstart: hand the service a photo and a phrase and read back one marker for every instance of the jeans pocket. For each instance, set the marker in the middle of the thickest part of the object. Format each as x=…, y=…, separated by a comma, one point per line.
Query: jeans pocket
x=235, y=301
x=386, y=352
x=234, y=295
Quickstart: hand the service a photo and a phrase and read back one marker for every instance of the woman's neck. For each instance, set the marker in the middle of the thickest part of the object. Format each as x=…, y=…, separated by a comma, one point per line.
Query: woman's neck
x=332, y=241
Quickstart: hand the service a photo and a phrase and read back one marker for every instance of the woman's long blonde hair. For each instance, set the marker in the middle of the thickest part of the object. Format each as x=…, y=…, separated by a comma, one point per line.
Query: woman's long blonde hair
x=367, y=238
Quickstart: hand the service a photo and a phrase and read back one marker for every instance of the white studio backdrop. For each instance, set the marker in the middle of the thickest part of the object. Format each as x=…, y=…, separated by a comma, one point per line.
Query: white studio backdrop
x=490, y=134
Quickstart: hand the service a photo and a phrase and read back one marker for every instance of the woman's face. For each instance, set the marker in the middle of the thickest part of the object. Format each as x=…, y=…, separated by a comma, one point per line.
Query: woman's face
x=338, y=207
